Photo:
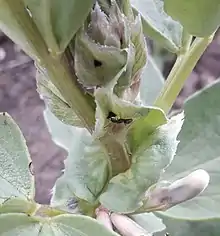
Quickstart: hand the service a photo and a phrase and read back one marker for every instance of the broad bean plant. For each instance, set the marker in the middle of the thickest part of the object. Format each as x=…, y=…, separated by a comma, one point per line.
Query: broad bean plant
x=133, y=167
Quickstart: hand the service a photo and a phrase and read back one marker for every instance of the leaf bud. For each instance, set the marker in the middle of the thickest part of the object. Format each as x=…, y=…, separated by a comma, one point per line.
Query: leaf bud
x=102, y=216
x=184, y=189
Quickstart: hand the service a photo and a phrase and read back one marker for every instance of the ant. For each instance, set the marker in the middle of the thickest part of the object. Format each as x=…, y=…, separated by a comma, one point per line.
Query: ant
x=115, y=119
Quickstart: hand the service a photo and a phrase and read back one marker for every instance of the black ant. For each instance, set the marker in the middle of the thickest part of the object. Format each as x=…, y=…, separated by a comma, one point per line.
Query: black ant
x=115, y=119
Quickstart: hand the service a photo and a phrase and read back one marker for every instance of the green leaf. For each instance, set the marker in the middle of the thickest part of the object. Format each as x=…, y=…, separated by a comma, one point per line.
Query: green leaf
x=82, y=224
x=86, y=163
x=15, y=28
x=56, y=20
x=152, y=82
x=158, y=25
x=149, y=222
x=190, y=228
x=86, y=170
x=40, y=12
x=150, y=157
x=199, y=149
x=61, y=133
x=20, y=224
x=55, y=101
x=144, y=127
x=15, y=178
x=199, y=17
x=17, y=205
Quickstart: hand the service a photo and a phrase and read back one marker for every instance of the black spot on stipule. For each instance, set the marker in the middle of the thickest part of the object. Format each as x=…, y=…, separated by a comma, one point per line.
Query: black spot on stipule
x=97, y=63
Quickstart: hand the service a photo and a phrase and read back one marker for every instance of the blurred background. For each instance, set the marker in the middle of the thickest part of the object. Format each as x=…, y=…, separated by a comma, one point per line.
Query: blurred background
x=19, y=98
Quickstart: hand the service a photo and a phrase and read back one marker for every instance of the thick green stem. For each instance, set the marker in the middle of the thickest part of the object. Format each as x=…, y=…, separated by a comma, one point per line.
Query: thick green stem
x=56, y=68
x=180, y=72
x=119, y=159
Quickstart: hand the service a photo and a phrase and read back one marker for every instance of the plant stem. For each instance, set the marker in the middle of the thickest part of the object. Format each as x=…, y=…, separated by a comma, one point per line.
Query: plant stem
x=56, y=68
x=119, y=160
x=180, y=72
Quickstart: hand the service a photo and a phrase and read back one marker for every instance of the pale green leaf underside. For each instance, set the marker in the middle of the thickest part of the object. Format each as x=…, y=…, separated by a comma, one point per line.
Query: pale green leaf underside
x=190, y=228
x=199, y=17
x=158, y=25
x=149, y=222
x=125, y=191
x=61, y=133
x=55, y=101
x=86, y=170
x=86, y=163
x=15, y=179
x=21, y=224
x=199, y=149
x=152, y=82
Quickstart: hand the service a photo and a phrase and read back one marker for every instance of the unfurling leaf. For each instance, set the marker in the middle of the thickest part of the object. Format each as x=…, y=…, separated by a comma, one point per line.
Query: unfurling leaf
x=129, y=83
x=102, y=49
x=109, y=43
x=137, y=38
x=95, y=64
x=188, y=187
x=199, y=17
x=182, y=190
